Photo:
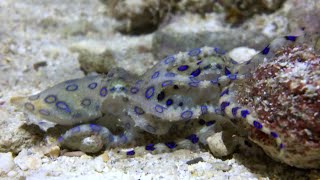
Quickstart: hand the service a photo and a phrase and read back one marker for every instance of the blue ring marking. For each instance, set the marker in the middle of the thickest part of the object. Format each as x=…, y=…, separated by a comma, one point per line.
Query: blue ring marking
x=257, y=125
x=150, y=147
x=291, y=38
x=50, y=99
x=202, y=122
x=112, y=89
x=138, y=82
x=274, y=135
x=169, y=102
x=75, y=129
x=193, y=138
x=281, y=146
x=150, y=129
x=199, y=62
x=171, y=145
x=186, y=114
x=123, y=138
x=161, y=96
x=233, y=61
x=155, y=75
x=207, y=67
x=244, y=113
x=183, y=67
x=224, y=104
x=196, y=72
x=219, y=51
x=224, y=92
x=232, y=76
x=170, y=74
x=103, y=92
x=194, y=52
x=215, y=81
x=60, y=139
x=218, y=66
x=218, y=111
x=95, y=128
x=134, y=90
x=204, y=109
x=63, y=106
x=93, y=85
x=158, y=108
x=127, y=126
x=138, y=110
x=149, y=92
x=194, y=79
x=235, y=111
x=130, y=153
x=44, y=112
x=77, y=115
x=193, y=84
x=266, y=50
x=210, y=123
x=123, y=89
x=34, y=97
x=167, y=83
x=227, y=72
x=72, y=87
x=110, y=75
x=110, y=138
x=86, y=102
x=169, y=59
x=29, y=106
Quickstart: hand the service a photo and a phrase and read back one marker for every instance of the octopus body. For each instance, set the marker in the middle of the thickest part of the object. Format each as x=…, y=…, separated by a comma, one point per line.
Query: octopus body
x=184, y=94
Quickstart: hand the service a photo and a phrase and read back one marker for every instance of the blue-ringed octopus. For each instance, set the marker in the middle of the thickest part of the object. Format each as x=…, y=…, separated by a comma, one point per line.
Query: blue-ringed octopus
x=184, y=94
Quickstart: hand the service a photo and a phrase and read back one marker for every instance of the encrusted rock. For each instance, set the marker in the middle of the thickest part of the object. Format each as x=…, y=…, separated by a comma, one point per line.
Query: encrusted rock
x=285, y=95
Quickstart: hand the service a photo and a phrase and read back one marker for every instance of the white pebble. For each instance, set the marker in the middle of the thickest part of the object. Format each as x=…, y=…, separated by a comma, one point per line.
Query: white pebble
x=7, y=163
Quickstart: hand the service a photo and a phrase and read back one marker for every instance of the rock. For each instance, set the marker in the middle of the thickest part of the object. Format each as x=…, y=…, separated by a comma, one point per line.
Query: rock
x=16, y=136
x=137, y=16
x=304, y=14
x=242, y=54
x=239, y=10
x=28, y=160
x=7, y=163
x=220, y=147
x=169, y=41
x=105, y=157
x=195, y=161
x=12, y=173
x=196, y=6
x=81, y=27
x=131, y=53
x=52, y=151
x=93, y=57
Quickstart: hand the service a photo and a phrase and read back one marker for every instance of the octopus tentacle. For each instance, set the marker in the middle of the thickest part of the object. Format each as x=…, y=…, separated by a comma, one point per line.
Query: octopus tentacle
x=191, y=142
x=91, y=138
x=233, y=110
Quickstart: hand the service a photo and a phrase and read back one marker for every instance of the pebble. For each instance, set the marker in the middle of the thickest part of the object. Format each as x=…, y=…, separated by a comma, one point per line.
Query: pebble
x=26, y=160
x=53, y=152
x=218, y=147
x=7, y=163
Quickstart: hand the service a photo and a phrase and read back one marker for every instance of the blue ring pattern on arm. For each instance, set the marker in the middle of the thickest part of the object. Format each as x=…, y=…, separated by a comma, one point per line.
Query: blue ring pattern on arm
x=149, y=92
